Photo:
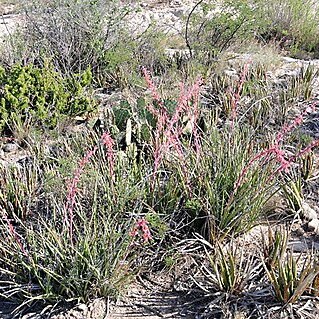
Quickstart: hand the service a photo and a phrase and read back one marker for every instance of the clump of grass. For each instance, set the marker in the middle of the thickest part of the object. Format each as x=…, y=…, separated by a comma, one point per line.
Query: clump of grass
x=230, y=269
x=290, y=277
x=225, y=173
x=80, y=250
x=18, y=190
x=288, y=282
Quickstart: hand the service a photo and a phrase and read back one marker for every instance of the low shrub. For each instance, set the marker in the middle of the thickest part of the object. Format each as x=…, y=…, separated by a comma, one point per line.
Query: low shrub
x=74, y=35
x=32, y=95
x=213, y=28
x=293, y=23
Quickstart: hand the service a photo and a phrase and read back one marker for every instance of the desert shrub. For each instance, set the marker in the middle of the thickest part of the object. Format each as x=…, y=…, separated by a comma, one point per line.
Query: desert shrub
x=212, y=27
x=74, y=34
x=41, y=96
x=291, y=22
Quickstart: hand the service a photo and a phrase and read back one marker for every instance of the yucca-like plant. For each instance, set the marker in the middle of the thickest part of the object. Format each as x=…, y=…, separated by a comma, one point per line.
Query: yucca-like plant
x=293, y=193
x=274, y=246
x=289, y=276
x=230, y=269
x=288, y=281
x=308, y=166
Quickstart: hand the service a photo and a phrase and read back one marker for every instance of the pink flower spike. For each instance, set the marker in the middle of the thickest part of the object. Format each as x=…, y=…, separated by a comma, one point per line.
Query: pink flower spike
x=296, y=122
x=142, y=228
x=151, y=86
x=106, y=140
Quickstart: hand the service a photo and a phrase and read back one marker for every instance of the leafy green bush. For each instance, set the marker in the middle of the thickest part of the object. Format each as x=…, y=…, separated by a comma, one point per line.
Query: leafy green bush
x=41, y=96
x=213, y=27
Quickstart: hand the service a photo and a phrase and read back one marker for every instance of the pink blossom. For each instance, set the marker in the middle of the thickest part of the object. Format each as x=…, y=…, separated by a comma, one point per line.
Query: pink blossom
x=169, y=128
x=141, y=228
x=151, y=86
x=279, y=154
x=296, y=122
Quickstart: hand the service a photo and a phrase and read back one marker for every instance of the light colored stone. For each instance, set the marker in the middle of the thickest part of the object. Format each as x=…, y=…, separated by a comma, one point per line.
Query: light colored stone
x=10, y=147
x=313, y=225
x=308, y=212
x=97, y=309
x=31, y=315
x=300, y=231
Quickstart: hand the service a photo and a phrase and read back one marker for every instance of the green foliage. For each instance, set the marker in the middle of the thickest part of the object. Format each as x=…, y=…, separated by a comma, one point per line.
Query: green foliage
x=293, y=192
x=142, y=120
x=274, y=247
x=289, y=282
x=289, y=276
x=229, y=270
x=41, y=96
x=291, y=22
x=215, y=27
x=229, y=210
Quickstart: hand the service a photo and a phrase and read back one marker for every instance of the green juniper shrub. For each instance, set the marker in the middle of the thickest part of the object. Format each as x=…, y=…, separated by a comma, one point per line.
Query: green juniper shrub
x=38, y=96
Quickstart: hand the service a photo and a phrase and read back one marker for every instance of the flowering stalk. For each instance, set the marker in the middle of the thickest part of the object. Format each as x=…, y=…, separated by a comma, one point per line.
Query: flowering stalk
x=141, y=228
x=284, y=164
x=14, y=233
x=169, y=130
x=106, y=140
x=296, y=122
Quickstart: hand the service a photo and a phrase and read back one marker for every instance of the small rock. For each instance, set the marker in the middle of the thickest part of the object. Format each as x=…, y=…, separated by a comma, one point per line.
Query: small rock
x=10, y=147
x=308, y=212
x=303, y=245
x=83, y=307
x=178, y=13
x=97, y=309
x=313, y=225
x=300, y=231
x=298, y=246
